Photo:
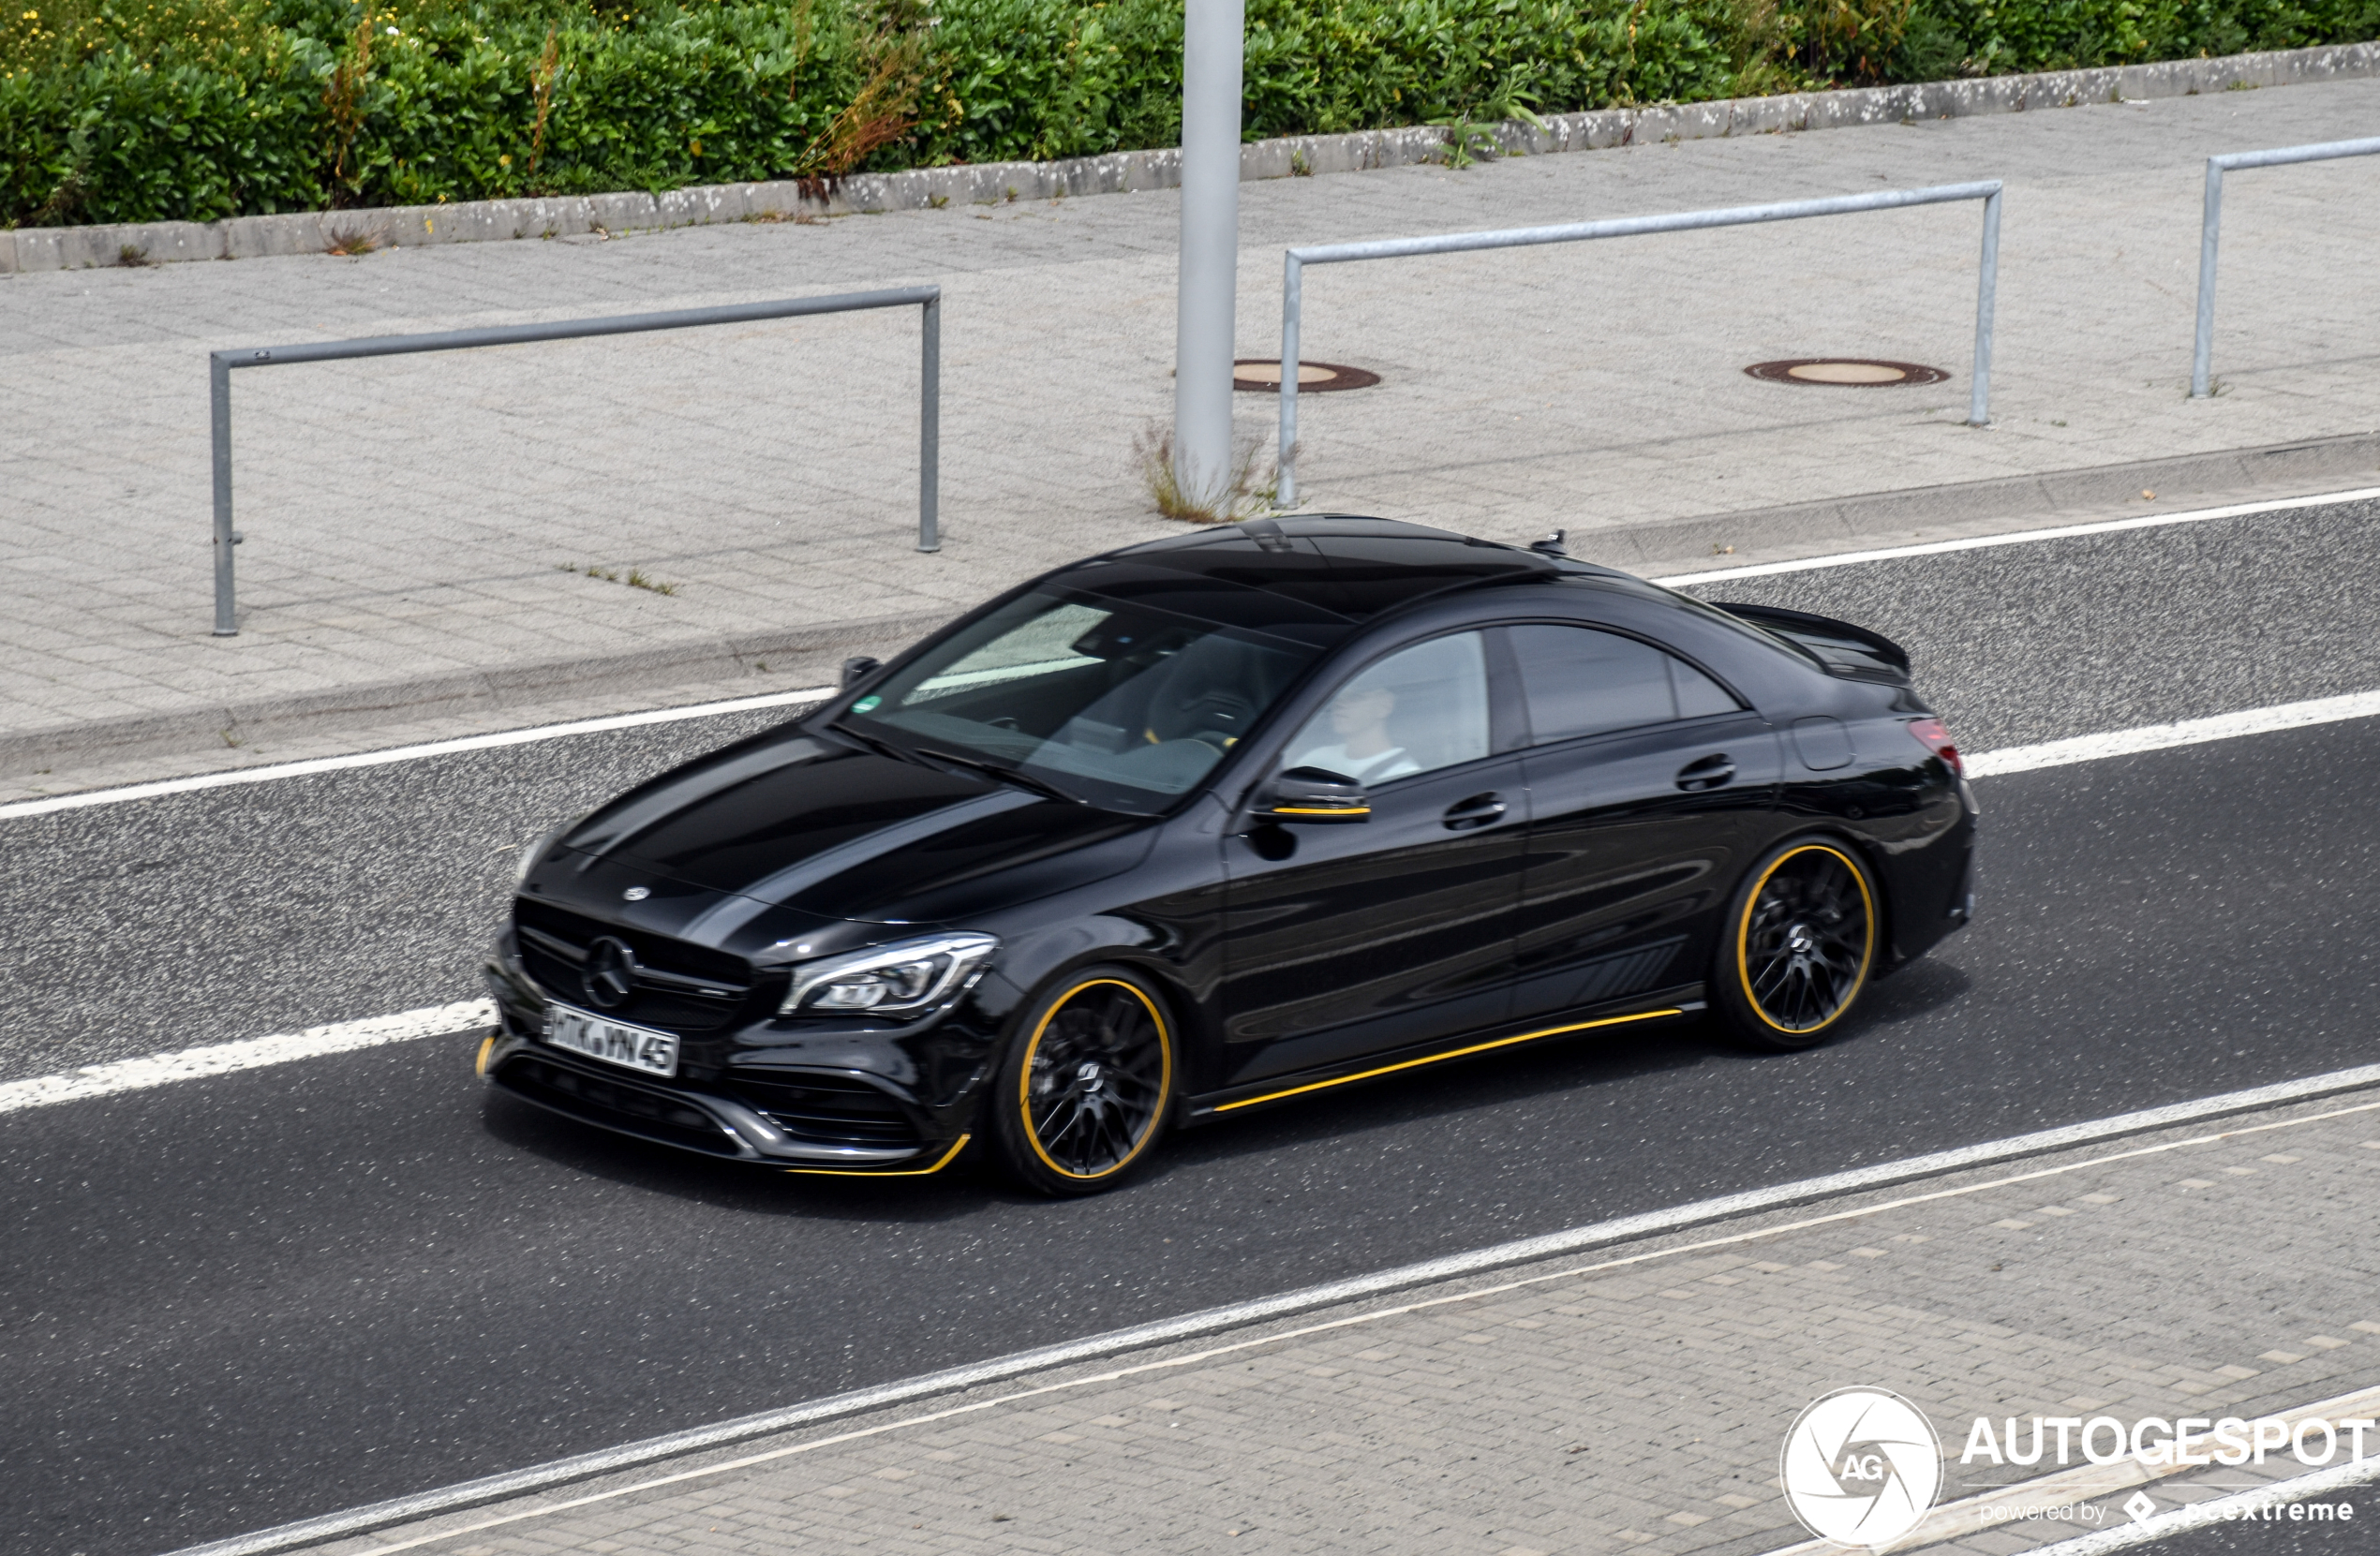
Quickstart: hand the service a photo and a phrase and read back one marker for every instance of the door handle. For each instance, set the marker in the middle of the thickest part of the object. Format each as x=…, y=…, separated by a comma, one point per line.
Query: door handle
x=1478, y=811
x=1708, y=772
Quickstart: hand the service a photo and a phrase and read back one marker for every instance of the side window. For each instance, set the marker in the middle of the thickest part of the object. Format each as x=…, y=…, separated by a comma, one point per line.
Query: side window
x=1578, y=681
x=1421, y=709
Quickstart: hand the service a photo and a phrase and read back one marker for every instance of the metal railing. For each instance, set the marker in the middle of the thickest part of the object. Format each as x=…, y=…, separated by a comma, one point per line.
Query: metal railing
x=221, y=363
x=2210, y=233
x=1979, y=399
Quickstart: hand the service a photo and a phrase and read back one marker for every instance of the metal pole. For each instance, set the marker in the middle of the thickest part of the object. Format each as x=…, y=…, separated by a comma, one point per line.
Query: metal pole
x=1987, y=299
x=929, y=429
x=1204, y=319
x=2209, y=235
x=219, y=373
x=1284, y=492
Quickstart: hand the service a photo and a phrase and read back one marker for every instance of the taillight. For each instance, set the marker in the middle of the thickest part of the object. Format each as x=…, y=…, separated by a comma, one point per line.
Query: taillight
x=1930, y=735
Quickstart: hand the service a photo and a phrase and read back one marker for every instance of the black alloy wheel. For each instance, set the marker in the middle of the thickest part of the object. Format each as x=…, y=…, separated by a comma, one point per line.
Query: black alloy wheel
x=1800, y=943
x=1087, y=1085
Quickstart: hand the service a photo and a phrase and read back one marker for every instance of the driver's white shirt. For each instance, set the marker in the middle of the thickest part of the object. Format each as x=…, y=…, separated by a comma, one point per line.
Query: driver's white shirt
x=1376, y=768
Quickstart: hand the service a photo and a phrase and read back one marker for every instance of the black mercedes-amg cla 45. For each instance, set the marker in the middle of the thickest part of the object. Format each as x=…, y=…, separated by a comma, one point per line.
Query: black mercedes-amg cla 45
x=1211, y=823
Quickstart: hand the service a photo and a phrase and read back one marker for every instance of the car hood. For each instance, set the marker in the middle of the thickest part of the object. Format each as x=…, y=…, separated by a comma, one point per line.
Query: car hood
x=796, y=822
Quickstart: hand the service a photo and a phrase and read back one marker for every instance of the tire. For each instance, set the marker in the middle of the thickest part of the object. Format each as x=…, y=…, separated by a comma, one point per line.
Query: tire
x=1799, y=944
x=1088, y=1084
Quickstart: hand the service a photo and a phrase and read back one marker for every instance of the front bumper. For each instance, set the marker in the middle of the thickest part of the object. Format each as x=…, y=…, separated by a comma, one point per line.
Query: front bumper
x=844, y=1120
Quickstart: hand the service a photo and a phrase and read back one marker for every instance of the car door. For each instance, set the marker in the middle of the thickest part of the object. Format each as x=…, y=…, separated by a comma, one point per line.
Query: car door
x=1347, y=939
x=1650, y=784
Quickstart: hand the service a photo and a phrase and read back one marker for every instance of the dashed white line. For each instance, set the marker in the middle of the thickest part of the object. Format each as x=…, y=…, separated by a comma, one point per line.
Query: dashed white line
x=2189, y=732
x=222, y=1059
x=404, y=753
x=2017, y=537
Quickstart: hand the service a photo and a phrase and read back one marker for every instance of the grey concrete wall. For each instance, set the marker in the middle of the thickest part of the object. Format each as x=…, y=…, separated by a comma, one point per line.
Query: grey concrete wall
x=479, y=221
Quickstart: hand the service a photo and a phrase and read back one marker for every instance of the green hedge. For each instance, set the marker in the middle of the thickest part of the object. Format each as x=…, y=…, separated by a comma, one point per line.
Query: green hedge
x=148, y=110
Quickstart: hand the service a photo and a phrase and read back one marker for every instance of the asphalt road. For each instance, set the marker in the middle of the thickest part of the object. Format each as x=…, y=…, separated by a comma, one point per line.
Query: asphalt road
x=232, y=1302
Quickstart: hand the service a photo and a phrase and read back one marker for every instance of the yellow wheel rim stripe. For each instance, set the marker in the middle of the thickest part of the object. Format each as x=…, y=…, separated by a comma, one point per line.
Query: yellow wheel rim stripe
x=1743, y=937
x=1164, y=1078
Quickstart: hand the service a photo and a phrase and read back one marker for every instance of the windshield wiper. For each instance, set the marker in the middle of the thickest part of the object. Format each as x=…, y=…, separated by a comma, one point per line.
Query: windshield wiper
x=882, y=747
x=1043, y=787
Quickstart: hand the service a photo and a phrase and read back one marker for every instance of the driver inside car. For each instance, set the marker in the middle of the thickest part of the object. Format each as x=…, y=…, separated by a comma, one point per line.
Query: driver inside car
x=1364, y=750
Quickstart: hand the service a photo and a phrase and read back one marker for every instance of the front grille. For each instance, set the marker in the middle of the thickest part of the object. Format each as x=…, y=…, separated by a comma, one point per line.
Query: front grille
x=830, y=1110
x=684, y=987
x=635, y=1108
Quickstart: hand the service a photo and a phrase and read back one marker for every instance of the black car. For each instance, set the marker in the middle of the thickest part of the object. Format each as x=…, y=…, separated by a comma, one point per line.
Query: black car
x=1211, y=824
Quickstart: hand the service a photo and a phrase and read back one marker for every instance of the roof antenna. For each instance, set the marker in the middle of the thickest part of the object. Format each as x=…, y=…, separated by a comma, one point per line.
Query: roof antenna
x=1552, y=545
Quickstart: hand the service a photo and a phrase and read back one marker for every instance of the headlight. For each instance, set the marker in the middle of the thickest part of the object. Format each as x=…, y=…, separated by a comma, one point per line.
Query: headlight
x=531, y=854
x=900, y=979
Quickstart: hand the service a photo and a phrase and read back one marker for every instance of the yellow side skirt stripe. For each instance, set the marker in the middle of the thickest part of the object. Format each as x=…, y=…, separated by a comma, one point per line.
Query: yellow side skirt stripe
x=879, y=1171
x=1457, y=1053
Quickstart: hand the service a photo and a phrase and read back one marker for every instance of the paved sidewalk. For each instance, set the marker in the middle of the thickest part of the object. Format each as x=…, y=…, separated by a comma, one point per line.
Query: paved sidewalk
x=1634, y=1399
x=409, y=520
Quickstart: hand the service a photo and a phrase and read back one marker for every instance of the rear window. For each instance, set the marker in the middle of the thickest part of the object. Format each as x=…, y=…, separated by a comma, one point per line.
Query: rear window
x=1580, y=681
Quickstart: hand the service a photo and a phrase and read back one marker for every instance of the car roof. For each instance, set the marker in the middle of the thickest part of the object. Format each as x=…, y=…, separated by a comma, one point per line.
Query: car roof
x=1308, y=569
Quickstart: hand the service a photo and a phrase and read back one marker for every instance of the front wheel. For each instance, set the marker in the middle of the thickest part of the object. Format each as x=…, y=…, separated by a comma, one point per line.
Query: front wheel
x=1087, y=1084
x=1799, y=944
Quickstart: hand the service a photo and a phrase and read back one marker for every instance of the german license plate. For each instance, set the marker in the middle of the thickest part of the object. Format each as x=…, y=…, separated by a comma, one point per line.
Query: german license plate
x=613, y=1041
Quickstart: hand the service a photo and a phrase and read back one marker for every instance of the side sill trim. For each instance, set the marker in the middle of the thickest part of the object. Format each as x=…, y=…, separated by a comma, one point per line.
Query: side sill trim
x=1451, y=1053
x=880, y=1172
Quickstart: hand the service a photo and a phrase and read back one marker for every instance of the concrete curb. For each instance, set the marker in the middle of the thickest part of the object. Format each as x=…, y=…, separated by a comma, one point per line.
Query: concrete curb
x=811, y=656
x=26, y=250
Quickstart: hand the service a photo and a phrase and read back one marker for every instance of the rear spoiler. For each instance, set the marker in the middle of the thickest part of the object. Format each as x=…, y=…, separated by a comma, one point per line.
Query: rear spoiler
x=1852, y=652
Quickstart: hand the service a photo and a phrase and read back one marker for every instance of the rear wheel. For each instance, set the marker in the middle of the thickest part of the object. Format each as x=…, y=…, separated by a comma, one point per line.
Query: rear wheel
x=1800, y=942
x=1087, y=1084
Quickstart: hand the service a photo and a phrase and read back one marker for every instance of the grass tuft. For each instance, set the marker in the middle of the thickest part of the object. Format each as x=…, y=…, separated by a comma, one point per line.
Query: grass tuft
x=1244, y=498
x=635, y=578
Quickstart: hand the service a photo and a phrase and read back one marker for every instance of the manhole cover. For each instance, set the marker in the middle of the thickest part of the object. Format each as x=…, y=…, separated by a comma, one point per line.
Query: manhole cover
x=1851, y=372
x=1314, y=378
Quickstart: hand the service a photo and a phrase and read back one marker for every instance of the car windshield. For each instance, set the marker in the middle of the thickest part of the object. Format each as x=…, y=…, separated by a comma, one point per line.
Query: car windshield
x=1124, y=706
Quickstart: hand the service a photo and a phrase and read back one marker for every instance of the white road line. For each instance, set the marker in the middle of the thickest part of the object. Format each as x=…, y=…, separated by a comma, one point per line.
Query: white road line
x=2189, y=732
x=2017, y=538
x=134, y=1075
x=707, y=710
x=406, y=753
x=222, y=1059
x=1240, y=1316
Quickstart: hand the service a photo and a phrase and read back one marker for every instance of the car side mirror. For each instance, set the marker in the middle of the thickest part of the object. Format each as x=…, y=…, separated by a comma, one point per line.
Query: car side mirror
x=858, y=668
x=1309, y=796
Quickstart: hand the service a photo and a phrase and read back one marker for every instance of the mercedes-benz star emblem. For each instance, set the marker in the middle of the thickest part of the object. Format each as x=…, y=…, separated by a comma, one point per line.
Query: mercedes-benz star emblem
x=610, y=974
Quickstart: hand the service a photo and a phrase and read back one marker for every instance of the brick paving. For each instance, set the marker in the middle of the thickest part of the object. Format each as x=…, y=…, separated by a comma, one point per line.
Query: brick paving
x=413, y=517
x=1635, y=1399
